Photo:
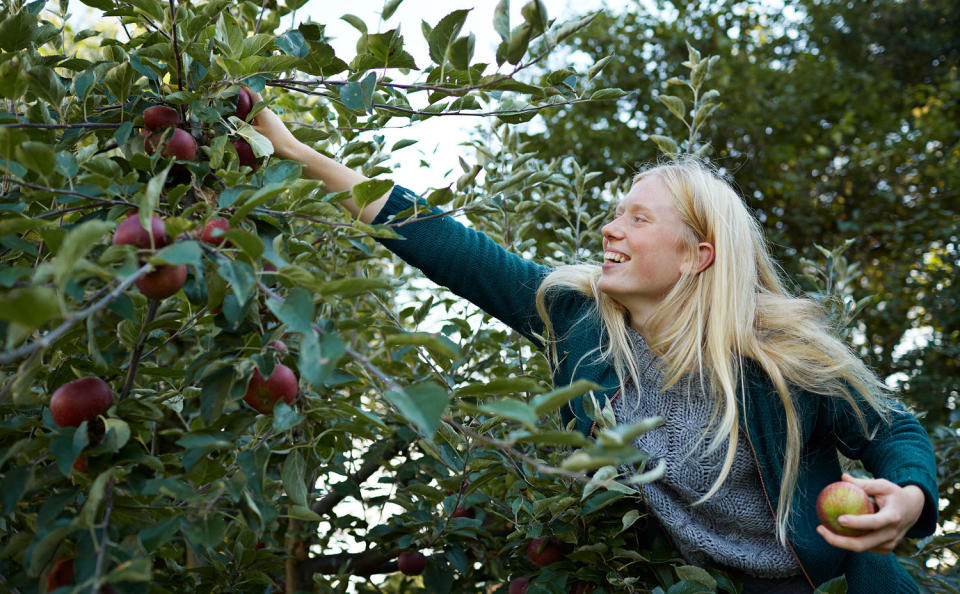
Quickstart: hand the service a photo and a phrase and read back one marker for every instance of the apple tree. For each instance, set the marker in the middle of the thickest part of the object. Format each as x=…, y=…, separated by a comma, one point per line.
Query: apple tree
x=213, y=379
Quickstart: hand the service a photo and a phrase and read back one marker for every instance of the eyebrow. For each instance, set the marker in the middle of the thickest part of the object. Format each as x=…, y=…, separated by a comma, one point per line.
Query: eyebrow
x=634, y=208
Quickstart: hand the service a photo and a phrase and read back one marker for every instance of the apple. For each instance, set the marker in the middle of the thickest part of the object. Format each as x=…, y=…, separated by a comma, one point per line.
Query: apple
x=179, y=145
x=843, y=498
x=463, y=511
x=131, y=232
x=80, y=464
x=162, y=282
x=518, y=585
x=160, y=116
x=244, y=103
x=61, y=574
x=80, y=400
x=207, y=235
x=278, y=346
x=544, y=551
x=245, y=152
x=262, y=394
x=412, y=562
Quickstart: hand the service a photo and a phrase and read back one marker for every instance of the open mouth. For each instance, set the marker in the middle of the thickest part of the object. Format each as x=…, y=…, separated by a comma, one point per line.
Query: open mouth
x=615, y=257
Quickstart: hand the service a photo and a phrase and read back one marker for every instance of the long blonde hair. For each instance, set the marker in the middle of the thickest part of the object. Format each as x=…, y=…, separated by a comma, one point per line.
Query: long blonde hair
x=737, y=308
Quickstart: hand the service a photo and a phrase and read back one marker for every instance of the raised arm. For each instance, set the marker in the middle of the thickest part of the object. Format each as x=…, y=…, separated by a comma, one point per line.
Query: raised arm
x=336, y=176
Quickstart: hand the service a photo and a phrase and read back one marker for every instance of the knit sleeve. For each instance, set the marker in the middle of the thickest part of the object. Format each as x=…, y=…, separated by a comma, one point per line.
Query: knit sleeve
x=465, y=261
x=899, y=451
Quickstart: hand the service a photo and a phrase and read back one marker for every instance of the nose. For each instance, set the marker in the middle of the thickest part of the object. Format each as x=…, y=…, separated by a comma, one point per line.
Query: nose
x=611, y=230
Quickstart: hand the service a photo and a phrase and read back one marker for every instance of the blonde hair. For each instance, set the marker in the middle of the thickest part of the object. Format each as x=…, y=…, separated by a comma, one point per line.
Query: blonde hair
x=738, y=307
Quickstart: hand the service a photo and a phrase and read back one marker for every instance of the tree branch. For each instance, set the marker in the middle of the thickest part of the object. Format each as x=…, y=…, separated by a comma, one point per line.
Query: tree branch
x=135, y=357
x=176, y=47
x=50, y=337
x=363, y=564
x=366, y=470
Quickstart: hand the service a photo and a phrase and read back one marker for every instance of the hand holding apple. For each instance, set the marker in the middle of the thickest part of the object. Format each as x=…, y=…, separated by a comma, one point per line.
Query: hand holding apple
x=269, y=124
x=899, y=508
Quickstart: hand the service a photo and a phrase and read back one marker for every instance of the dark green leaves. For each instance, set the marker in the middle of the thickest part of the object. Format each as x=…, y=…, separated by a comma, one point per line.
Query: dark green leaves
x=444, y=33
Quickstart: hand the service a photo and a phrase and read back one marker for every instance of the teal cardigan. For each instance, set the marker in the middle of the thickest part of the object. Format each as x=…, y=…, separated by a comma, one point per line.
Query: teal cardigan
x=504, y=285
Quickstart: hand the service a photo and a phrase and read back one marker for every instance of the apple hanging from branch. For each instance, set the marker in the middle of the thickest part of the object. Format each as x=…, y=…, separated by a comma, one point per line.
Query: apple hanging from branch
x=262, y=394
x=80, y=400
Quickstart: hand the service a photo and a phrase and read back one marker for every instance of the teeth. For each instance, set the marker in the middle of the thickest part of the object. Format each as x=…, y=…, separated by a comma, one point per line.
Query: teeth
x=614, y=257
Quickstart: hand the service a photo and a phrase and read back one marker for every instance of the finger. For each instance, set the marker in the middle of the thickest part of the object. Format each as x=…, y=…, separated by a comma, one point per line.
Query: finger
x=858, y=544
x=868, y=522
x=871, y=486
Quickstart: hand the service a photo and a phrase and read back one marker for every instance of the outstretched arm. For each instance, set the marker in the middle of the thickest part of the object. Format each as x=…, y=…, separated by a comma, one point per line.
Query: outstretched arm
x=336, y=176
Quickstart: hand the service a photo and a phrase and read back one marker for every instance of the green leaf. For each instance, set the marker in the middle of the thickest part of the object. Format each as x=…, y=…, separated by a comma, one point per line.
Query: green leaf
x=675, y=105
x=553, y=437
x=182, y=252
x=629, y=519
x=545, y=404
x=501, y=385
x=608, y=94
x=206, y=532
x=134, y=570
x=117, y=434
x=296, y=311
x=461, y=52
x=352, y=96
x=37, y=156
x=88, y=514
x=158, y=535
x=511, y=408
x=241, y=277
x=151, y=198
x=356, y=22
x=319, y=357
x=519, y=41
x=261, y=145
x=250, y=244
x=501, y=19
x=696, y=574
x=285, y=417
x=292, y=43
x=434, y=342
x=30, y=306
x=421, y=404
x=389, y=7
x=347, y=287
x=215, y=391
x=444, y=33
x=299, y=512
x=43, y=551
x=666, y=145
x=294, y=478
x=76, y=245
x=535, y=13
x=837, y=585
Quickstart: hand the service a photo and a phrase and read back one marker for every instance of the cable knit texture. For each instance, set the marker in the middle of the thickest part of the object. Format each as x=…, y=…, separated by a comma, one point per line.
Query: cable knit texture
x=735, y=527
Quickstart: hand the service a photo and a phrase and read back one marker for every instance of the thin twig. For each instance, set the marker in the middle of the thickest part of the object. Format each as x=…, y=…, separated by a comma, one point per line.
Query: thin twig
x=135, y=357
x=176, y=47
x=51, y=337
x=101, y=553
x=63, y=126
x=263, y=7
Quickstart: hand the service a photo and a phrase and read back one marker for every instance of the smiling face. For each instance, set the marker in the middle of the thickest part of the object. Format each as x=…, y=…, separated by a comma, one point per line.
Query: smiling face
x=644, y=252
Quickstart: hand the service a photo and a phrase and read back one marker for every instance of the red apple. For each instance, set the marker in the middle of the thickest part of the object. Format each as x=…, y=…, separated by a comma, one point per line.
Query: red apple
x=519, y=585
x=244, y=103
x=544, y=551
x=61, y=574
x=131, y=232
x=207, y=235
x=245, y=152
x=80, y=464
x=160, y=116
x=843, y=498
x=463, y=511
x=179, y=145
x=162, y=282
x=80, y=400
x=262, y=394
x=412, y=562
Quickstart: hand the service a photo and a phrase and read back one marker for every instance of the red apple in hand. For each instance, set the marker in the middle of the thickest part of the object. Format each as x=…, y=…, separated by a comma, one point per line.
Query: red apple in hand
x=544, y=551
x=160, y=116
x=262, y=394
x=162, y=282
x=80, y=400
x=215, y=224
x=843, y=498
x=131, y=232
x=412, y=562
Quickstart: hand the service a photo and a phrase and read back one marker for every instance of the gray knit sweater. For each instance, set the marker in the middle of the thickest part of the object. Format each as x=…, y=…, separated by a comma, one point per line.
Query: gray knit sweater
x=735, y=527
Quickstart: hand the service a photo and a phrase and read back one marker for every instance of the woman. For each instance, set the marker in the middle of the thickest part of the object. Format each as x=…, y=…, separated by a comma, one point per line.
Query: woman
x=687, y=319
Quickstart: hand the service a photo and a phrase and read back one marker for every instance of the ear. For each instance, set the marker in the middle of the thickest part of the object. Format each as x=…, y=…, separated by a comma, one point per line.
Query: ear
x=704, y=255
